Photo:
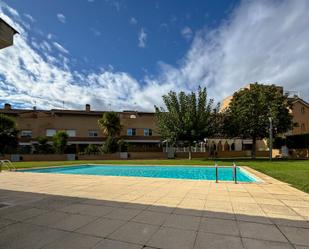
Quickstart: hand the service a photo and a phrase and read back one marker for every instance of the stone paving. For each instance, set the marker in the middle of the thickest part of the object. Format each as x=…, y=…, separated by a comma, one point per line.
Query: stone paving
x=53, y=211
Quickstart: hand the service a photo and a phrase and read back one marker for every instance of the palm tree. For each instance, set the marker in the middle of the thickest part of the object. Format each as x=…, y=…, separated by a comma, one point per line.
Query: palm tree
x=110, y=124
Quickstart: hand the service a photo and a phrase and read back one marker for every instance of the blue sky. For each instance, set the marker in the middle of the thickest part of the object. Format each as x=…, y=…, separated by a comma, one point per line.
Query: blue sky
x=127, y=54
x=106, y=33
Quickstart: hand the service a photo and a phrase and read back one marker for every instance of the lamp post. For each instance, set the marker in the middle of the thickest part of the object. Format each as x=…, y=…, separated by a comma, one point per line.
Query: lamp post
x=270, y=138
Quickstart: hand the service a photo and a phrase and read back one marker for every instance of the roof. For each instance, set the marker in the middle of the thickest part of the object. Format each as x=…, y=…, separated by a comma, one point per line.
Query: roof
x=297, y=99
x=66, y=112
x=15, y=31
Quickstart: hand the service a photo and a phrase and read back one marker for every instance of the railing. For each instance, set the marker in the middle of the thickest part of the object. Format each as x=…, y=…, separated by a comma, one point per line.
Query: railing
x=8, y=164
x=234, y=171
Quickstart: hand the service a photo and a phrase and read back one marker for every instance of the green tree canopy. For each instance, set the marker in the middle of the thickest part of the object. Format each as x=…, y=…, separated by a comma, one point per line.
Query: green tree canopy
x=8, y=134
x=110, y=124
x=250, y=109
x=60, y=141
x=43, y=147
x=111, y=127
x=186, y=118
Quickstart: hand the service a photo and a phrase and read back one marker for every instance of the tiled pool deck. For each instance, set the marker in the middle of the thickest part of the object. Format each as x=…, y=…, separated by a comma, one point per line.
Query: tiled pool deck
x=78, y=212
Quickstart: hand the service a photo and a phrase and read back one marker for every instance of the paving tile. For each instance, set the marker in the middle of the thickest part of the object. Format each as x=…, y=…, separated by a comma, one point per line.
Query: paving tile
x=48, y=219
x=7, y=211
x=28, y=236
x=73, y=222
x=133, y=232
x=153, y=218
x=182, y=222
x=96, y=211
x=123, y=213
x=260, y=244
x=296, y=235
x=161, y=209
x=5, y=222
x=171, y=238
x=188, y=211
x=74, y=241
x=26, y=214
x=261, y=231
x=216, y=241
x=113, y=244
x=101, y=227
x=221, y=215
x=253, y=218
x=227, y=227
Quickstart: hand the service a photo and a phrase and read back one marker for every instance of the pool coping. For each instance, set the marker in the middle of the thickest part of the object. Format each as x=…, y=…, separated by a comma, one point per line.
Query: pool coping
x=257, y=180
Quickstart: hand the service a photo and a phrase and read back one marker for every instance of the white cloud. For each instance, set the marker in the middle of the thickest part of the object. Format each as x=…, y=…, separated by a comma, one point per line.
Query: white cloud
x=61, y=17
x=49, y=36
x=142, y=38
x=187, y=33
x=265, y=41
x=60, y=48
x=29, y=17
x=95, y=32
x=133, y=20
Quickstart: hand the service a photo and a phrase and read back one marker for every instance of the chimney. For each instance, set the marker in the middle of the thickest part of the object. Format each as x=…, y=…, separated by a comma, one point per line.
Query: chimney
x=7, y=106
x=87, y=108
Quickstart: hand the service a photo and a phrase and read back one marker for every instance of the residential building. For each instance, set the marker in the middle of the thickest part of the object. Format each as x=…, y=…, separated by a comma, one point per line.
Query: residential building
x=138, y=128
x=300, y=113
x=7, y=33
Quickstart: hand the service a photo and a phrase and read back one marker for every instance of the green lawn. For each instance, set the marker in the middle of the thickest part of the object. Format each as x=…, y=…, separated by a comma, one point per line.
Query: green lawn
x=295, y=172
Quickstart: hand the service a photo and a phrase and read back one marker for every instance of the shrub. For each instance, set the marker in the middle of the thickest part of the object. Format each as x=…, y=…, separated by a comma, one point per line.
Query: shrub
x=298, y=141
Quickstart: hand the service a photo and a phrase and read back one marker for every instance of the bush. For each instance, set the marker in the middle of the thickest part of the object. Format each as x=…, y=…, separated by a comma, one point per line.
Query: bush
x=278, y=142
x=110, y=145
x=91, y=149
x=298, y=141
x=60, y=141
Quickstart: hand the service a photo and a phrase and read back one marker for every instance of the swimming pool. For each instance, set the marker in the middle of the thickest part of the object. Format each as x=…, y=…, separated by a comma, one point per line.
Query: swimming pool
x=174, y=172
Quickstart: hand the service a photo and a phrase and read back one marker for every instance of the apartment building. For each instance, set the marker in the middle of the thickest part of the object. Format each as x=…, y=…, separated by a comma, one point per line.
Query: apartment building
x=138, y=128
x=299, y=110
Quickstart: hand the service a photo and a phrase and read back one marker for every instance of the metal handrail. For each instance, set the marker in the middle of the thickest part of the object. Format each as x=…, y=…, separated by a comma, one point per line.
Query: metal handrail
x=8, y=164
x=234, y=171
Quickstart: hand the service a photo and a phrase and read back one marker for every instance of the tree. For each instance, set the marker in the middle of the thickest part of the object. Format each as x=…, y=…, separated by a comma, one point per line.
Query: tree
x=187, y=118
x=43, y=147
x=110, y=124
x=8, y=134
x=250, y=109
x=60, y=141
x=111, y=127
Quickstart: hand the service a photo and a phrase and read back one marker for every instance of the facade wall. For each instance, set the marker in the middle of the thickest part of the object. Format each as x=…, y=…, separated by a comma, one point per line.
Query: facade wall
x=82, y=122
x=300, y=112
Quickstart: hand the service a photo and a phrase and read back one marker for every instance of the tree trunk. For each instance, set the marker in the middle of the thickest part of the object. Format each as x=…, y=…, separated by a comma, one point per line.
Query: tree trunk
x=253, y=151
x=190, y=152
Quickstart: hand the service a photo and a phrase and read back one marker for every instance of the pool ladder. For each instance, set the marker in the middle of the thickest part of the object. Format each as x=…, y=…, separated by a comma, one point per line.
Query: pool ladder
x=234, y=172
x=8, y=164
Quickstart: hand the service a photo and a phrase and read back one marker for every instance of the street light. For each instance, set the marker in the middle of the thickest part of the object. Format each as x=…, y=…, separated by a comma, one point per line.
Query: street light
x=270, y=138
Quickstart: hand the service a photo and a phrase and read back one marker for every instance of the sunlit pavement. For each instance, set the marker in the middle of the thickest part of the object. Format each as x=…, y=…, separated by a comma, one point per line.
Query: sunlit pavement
x=76, y=211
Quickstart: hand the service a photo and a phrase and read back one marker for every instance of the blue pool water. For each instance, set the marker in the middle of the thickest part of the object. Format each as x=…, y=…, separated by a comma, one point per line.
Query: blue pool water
x=175, y=172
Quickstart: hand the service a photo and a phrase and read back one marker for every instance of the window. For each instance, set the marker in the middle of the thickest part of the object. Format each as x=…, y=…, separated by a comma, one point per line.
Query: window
x=147, y=132
x=93, y=133
x=131, y=132
x=71, y=133
x=132, y=116
x=302, y=127
x=50, y=132
x=26, y=133
x=302, y=109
